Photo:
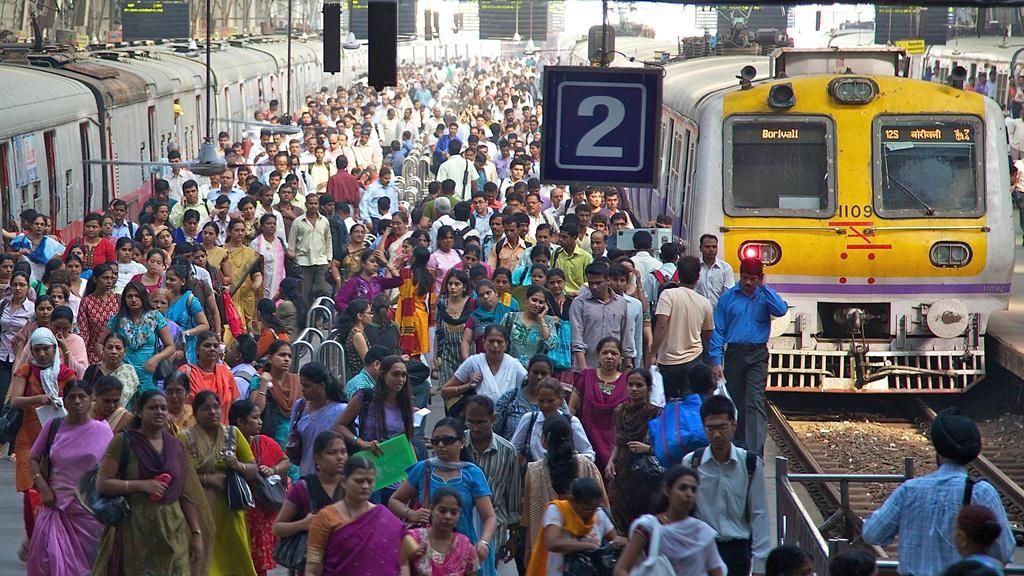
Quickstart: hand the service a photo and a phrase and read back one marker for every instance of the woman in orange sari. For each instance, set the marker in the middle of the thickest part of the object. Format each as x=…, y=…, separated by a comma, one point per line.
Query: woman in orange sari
x=36, y=389
x=415, y=305
x=208, y=373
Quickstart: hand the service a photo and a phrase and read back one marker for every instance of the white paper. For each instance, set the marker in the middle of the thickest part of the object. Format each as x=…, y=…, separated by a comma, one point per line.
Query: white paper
x=50, y=411
x=419, y=415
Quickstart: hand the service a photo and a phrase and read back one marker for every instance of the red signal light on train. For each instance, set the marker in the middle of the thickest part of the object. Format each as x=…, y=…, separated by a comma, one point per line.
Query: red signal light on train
x=767, y=251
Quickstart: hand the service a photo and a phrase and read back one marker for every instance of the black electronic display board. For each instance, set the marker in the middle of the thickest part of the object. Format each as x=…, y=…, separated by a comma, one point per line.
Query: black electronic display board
x=498, y=19
x=149, y=20
x=767, y=17
x=894, y=23
x=358, y=23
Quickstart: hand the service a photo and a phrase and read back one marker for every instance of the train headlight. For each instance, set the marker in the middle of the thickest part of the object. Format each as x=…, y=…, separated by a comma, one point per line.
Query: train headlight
x=853, y=90
x=950, y=254
x=768, y=252
x=782, y=96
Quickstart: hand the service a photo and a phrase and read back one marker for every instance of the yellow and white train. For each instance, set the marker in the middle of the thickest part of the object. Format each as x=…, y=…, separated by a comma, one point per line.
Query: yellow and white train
x=880, y=205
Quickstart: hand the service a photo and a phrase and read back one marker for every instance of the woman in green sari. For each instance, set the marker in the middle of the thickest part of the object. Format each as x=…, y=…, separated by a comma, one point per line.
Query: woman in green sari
x=165, y=536
x=214, y=449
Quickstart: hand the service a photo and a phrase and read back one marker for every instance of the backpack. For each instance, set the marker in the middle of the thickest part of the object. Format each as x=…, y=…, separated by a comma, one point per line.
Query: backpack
x=751, y=462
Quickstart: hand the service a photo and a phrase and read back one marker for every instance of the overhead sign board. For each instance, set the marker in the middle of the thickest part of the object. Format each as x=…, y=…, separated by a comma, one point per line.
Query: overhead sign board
x=502, y=19
x=601, y=125
x=359, y=23
x=148, y=20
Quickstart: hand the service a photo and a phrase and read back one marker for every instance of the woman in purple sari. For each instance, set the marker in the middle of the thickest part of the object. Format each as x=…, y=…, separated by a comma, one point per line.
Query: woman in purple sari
x=355, y=537
x=66, y=537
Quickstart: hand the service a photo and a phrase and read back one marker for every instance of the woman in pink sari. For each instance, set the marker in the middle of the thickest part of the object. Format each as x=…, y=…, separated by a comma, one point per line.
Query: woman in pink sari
x=66, y=537
x=354, y=537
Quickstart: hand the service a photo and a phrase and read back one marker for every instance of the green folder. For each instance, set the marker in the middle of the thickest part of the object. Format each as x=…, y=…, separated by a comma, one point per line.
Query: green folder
x=396, y=456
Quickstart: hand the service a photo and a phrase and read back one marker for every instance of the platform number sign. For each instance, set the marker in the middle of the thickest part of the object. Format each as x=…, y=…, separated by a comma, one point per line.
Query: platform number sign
x=601, y=125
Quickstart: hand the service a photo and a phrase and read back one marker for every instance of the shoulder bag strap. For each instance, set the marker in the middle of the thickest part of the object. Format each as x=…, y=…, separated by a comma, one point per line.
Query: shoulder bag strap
x=751, y=463
x=968, y=490
x=426, y=486
x=122, y=465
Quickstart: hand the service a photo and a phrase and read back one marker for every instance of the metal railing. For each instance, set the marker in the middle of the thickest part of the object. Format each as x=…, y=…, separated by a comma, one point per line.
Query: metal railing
x=320, y=318
x=794, y=523
x=332, y=354
x=302, y=353
x=796, y=526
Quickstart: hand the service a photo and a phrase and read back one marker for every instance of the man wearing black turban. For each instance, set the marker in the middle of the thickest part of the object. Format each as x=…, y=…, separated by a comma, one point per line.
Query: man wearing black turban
x=922, y=511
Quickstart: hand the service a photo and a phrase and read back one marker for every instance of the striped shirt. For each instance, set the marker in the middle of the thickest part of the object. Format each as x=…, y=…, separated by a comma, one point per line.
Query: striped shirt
x=500, y=464
x=922, y=512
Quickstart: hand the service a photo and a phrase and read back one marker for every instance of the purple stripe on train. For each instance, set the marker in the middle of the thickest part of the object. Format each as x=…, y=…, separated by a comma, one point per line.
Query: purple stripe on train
x=891, y=288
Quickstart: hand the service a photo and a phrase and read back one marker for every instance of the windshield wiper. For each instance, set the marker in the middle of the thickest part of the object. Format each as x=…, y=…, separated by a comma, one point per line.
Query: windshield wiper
x=928, y=210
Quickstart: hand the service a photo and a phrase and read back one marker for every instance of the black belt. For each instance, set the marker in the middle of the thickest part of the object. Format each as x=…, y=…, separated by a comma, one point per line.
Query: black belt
x=733, y=541
x=740, y=345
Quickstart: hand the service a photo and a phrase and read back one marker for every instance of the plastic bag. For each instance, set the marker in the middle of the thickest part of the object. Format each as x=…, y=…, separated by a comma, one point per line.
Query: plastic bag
x=722, y=390
x=657, y=387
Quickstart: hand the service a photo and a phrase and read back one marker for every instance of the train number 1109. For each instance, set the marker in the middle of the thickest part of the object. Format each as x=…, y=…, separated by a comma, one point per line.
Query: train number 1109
x=854, y=211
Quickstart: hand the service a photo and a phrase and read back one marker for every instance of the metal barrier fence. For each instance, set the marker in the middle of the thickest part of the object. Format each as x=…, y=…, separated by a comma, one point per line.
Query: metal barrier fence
x=332, y=354
x=302, y=353
x=320, y=318
x=796, y=526
x=794, y=523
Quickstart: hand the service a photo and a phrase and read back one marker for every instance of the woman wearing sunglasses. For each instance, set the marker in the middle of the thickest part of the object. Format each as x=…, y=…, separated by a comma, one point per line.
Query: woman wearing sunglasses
x=452, y=468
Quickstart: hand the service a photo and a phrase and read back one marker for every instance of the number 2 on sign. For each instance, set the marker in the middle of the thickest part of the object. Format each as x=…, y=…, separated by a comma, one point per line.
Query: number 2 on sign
x=616, y=113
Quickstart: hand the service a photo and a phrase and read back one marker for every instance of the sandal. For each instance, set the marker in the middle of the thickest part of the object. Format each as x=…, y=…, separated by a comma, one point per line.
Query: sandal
x=23, y=551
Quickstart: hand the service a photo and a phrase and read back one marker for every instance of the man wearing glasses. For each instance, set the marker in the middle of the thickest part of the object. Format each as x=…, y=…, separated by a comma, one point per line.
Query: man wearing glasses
x=730, y=475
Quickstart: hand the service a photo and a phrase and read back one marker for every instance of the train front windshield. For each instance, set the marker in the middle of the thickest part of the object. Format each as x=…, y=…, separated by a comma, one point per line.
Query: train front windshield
x=928, y=167
x=779, y=167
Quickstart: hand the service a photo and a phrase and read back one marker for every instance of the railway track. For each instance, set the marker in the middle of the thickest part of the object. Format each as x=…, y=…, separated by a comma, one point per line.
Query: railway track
x=872, y=437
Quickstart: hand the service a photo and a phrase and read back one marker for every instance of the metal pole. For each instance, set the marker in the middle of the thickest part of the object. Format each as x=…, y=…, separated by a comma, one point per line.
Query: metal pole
x=209, y=75
x=781, y=474
x=288, y=92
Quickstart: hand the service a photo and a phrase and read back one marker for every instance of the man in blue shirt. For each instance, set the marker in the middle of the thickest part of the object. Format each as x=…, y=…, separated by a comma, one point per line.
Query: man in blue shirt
x=381, y=188
x=923, y=511
x=743, y=320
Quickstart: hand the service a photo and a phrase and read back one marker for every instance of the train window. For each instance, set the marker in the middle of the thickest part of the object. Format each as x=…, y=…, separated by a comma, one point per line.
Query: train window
x=928, y=166
x=780, y=166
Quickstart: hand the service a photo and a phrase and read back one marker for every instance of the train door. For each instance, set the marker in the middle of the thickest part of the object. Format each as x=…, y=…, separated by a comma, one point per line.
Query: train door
x=675, y=164
x=50, y=151
x=151, y=132
x=677, y=192
x=87, y=187
x=226, y=112
x=5, y=188
x=682, y=225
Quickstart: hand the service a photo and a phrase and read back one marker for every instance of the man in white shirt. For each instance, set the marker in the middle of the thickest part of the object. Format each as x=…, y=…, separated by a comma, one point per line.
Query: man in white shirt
x=730, y=475
x=366, y=153
x=716, y=275
x=123, y=228
x=459, y=169
x=178, y=176
x=642, y=260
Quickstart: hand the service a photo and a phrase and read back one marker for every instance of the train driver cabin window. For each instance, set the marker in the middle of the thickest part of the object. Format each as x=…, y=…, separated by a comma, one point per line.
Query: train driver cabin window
x=928, y=167
x=779, y=167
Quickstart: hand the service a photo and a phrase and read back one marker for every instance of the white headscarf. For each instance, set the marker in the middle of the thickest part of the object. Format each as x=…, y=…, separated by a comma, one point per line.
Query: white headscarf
x=47, y=374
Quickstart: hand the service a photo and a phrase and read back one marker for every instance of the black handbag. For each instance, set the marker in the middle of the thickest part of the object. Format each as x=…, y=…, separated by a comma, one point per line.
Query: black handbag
x=237, y=489
x=598, y=562
x=290, y=552
x=267, y=491
x=10, y=422
x=645, y=467
x=293, y=443
x=109, y=511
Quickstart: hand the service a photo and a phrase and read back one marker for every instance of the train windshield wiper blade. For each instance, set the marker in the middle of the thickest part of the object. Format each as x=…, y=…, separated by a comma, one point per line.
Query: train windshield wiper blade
x=927, y=209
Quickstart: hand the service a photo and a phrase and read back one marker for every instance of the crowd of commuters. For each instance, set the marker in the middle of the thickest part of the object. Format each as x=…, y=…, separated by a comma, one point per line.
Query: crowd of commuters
x=160, y=354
